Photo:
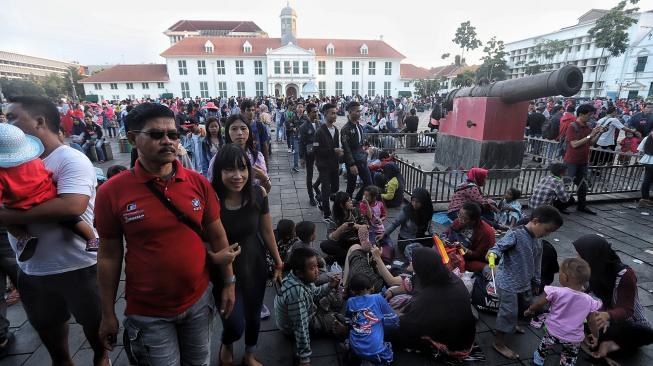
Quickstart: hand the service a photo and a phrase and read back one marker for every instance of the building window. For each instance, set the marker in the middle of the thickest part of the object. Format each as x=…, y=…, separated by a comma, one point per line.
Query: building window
x=130, y=85
x=321, y=88
x=160, y=86
x=240, y=85
x=97, y=86
x=387, y=89
x=371, y=88
x=388, y=68
x=259, y=88
x=406, y=84
x=330, y=49
x=220, y=70
x=201, y=67
x=131, y=97
x=146, y=96
x=364, y=49
x=286, y=67
x=641, y=63
x=277, y=67
x=222, y=89
x=247, y=48
x=185, y=89
x=321, y=67
x=204, y=89
x=295, y=67
x=355, y=67
x=371, y=68
x=354, y=88
x=182, y=67
x=338, y=67
x=145, y=85
x=304, y=67
x=338, y=88
x=240, y=69
x=116, y=97
x=113, y=86
x=258, y=67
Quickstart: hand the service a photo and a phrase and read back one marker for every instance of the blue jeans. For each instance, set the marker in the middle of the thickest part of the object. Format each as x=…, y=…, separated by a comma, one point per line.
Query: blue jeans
x=578, y=172
x=184, y=339
x=295, y=154
x=98, y=148
x=280, y=131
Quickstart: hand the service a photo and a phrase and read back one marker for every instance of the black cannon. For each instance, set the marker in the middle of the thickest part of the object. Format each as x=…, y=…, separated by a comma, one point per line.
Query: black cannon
x=565, y=81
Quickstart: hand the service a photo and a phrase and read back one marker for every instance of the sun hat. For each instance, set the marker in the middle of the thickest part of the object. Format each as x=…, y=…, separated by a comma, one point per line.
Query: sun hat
x=16, y=147
x=210, y=105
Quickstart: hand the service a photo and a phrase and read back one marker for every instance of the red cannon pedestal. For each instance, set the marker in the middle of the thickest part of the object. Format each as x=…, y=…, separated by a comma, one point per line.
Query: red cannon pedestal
x=482, y=132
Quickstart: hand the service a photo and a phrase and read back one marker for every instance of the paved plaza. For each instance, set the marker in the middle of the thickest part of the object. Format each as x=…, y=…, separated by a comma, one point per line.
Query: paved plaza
x=628, y=228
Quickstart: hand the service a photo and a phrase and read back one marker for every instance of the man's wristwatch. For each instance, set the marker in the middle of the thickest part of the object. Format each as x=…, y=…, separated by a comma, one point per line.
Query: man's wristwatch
x=230, y=280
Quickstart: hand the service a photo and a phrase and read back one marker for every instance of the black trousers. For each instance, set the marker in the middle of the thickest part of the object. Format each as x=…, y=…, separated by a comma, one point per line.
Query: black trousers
x=648, y=179
x=309, y=159
x=330, y=181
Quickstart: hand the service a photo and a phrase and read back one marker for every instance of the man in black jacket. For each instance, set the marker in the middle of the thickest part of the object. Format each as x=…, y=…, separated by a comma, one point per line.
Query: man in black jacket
x=327, y=156
x=351, y=139
x=552, y=131
x=306, y=149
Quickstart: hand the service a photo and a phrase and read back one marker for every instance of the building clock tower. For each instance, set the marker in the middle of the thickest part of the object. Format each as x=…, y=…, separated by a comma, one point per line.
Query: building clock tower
x=288, y=25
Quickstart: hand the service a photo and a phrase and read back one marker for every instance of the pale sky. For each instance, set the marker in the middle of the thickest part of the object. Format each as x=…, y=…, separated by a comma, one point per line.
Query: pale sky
x=121, y=31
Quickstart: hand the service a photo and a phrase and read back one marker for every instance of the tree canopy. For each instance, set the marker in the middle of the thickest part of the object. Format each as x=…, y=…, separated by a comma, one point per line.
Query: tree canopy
x=611, y=31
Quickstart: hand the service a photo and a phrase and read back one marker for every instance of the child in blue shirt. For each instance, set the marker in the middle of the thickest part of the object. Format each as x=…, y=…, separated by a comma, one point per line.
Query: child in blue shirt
x=369, y=314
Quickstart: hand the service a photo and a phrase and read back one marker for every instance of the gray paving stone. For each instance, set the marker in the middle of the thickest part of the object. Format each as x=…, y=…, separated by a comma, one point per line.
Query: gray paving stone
x=14, y=360
x=16, y=315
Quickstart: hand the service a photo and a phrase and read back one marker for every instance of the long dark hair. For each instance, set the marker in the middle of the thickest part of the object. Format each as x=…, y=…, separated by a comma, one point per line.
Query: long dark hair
x=232, y=156
x=604, y=263
x=340, y=214
x=421, y=217
x=208, y=131
x=249, y=145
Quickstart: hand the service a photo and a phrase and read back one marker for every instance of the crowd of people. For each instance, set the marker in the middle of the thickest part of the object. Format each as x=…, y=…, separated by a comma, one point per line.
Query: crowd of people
x=189, y=223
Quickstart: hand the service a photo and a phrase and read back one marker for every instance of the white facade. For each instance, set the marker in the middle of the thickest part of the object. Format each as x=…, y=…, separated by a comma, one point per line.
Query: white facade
x=127, y=90
x=603, y=75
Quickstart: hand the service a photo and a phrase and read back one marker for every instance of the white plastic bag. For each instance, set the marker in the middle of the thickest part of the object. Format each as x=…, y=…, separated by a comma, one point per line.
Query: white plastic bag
x=335, y=268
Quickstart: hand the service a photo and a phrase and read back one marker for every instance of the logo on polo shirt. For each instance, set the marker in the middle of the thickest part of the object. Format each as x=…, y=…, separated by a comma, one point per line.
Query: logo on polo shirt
x=196, y=204
x=131, y=206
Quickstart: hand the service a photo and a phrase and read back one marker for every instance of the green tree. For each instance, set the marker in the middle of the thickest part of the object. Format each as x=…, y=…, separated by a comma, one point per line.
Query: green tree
x=611, y=31
x=549, y=49
x=494, y=63
x=17, y=87
x=466, y=38
x=445, y=56
x=458, y=60
x=425, y=87
x=531, y=67
x=54, y=86
x=72, y=79
x=465, y=78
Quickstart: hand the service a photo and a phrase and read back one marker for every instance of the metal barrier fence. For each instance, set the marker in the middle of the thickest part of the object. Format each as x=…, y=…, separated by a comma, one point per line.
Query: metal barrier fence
x=442, y=184
x=419, y=142
x=549, y=151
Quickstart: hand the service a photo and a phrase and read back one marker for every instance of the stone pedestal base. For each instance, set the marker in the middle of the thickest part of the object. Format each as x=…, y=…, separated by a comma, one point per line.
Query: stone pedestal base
x=459, y=152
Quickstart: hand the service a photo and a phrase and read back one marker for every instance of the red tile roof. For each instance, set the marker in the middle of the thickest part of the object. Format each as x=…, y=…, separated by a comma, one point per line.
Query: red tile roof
x=228, y=46
x=145, y=72
x=410, y=71
x=200, y=25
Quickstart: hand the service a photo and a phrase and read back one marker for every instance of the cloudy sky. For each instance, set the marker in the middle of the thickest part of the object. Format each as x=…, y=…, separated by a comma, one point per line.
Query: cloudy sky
x=121, y=31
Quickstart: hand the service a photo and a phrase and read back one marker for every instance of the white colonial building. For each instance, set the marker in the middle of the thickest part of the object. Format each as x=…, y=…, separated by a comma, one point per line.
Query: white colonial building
x=626, y=76
x=240, y=65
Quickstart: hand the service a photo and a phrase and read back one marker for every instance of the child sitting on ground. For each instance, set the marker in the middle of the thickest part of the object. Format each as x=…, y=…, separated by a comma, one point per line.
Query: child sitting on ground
x=519, y=271
x=26, y=183
x=373, y=209
x=306, y=233
x=369, y=314
x=569, y=307
x=295, y=309
x=508, y=212
x=285, y=236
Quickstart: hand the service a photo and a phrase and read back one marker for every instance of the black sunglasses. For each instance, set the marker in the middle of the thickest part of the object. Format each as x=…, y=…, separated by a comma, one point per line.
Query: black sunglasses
x=158, y=135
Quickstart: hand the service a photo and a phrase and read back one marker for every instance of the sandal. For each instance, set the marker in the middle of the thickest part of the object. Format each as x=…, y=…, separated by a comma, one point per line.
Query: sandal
x=222, y=363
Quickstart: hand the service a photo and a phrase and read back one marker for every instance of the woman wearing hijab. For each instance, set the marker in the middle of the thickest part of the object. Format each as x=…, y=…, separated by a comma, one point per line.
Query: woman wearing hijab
x=393, y=193
x=428, y=321
x=468, y=191
x=413, y=221
x=621, y=321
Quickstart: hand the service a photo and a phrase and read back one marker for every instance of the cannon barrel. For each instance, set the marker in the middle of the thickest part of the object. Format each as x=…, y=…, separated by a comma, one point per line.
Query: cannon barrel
x=565, y=81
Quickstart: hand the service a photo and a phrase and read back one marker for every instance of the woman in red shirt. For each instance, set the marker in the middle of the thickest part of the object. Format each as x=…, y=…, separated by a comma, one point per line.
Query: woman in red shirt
x=476, y=235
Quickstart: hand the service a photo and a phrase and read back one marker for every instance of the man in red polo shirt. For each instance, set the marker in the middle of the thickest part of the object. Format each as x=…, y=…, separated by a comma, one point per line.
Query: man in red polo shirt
x=579, y=137
x=169, y=300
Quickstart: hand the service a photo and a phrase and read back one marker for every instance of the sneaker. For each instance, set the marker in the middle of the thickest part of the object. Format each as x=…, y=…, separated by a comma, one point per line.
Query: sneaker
x=93, y=245
x=537, y=359
x=289, y=151
x=295, y=170
x=586, y=210
x=265, y=312
x=645, y=202
x=312, y=201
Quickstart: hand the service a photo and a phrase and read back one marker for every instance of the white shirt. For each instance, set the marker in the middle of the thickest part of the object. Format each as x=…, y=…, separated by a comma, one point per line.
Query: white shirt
x=607, y=137
x=646, y=159
x=332, y=131
x=60, y=250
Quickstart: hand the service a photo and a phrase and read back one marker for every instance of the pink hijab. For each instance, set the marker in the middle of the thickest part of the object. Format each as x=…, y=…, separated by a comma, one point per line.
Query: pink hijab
x=477, y=175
